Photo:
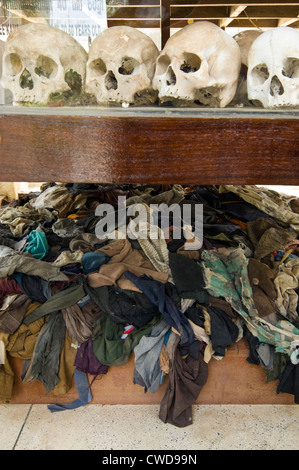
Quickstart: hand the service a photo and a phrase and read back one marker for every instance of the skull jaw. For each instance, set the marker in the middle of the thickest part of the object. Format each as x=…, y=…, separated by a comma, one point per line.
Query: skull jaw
x=137, y=96
x=38, y=95
x=209, y=96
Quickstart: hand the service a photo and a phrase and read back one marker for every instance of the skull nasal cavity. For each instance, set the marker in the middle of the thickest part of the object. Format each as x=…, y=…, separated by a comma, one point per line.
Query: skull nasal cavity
x=26, y=80
x=276, y=87
x=170, y=77
x=110, y=81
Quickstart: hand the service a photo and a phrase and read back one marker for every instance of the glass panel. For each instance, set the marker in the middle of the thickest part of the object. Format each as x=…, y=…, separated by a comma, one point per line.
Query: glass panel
x=200, y=65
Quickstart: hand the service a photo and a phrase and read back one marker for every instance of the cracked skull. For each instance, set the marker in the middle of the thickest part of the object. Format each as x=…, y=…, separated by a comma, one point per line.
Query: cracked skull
x=199, y=65
x=120, y=67
x=273, y=68
x=40, y=60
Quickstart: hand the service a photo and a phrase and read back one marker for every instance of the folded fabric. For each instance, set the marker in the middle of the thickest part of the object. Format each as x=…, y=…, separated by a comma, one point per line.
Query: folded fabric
x=36, y=288
x=108, y=346
x=123, y=258
x=37, y=244
x=58, y=197
x=261, y=278
x=87, y=362
x=289, y=381
x=22, y=219
x=9, y=287
x=188, y=277
x=12, y=316
x=93, y=261
x=66, y=228
x=124, y=306
x=63, y=299
x=24, y=262
x=79, y=322
x=187, y=377
x=147, y=371
x=84, y=392
x=155, y=291
x=277, y=206
x=45, y=362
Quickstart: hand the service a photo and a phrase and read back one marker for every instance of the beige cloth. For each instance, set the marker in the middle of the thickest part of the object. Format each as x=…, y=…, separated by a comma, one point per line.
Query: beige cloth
x=277, y=205
x=286, y=282
x=123, y=258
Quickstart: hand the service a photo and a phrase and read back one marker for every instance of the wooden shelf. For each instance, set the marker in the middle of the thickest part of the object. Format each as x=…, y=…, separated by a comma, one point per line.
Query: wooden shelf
x=149, y=145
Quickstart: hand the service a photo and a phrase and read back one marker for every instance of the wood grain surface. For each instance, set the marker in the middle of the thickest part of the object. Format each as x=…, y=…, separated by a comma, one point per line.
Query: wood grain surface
x=119, y=149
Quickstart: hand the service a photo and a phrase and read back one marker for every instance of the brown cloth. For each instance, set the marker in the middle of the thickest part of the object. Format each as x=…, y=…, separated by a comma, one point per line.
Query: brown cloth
x=267, y=236
x=80, y=321
x=123, y=258
x=261, y=278
x=187, y=376
x=12, y=316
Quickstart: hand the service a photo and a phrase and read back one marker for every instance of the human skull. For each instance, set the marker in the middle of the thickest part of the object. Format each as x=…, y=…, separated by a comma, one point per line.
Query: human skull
x=199, y=65
x=244, y=41
x=40, y=60
x=273, y=68
x=120, y=67
x=5, y=95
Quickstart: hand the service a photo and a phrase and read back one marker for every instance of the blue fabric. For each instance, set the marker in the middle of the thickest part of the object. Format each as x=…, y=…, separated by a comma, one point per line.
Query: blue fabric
x=155, y=291
x=91, y=262
x=84, y=393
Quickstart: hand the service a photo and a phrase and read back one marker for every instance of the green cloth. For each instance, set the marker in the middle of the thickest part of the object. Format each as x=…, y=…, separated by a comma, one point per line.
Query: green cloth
x=23, y=262
x=64, y=299
x=108, y=346
x=37, y=244
x=46, y=357
x=226, y=275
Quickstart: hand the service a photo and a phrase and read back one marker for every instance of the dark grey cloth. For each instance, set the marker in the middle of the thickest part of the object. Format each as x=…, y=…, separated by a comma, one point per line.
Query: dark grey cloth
x=46, y=359
x=187, y=376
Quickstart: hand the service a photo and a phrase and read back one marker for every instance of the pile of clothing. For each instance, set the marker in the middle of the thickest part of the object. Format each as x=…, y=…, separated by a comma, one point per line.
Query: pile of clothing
x=73, y=304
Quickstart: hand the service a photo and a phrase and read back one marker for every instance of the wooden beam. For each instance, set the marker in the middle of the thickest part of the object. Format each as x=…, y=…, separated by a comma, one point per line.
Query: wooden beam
x=134, y=23
x=213, y=3
x=208, y=148
x=135, y=13
x=165, y=21
x=233, y=13
x=286, y=21
x=222, y=13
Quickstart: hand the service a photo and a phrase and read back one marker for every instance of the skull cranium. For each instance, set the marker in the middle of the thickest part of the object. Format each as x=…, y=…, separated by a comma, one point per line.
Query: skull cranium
x=120, y=67
x=40, y=60
x=244, y=40
x=273, y=68
x=199, y=65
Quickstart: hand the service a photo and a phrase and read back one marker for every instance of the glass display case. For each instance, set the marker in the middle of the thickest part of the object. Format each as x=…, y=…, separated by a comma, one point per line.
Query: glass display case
x=149, y=129
x=131, y=93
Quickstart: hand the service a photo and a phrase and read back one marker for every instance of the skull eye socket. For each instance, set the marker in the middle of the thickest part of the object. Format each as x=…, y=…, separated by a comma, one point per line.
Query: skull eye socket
x=13, y=64
x=291, y=68
x=162, y=65
x=129, y=66
x=191, y=63
x=45, y=67
x=260, y=74
x=98, y=66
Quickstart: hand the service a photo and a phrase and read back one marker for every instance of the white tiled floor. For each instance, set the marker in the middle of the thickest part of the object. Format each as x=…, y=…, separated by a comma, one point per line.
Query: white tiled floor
x=138, y=427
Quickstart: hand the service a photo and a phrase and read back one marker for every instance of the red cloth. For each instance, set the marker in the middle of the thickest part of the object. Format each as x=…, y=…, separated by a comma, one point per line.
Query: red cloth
x=9, y=287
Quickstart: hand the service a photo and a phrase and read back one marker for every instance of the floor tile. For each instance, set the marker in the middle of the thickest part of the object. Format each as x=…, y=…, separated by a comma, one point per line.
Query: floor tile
x=12, y=419
x=138, y=427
